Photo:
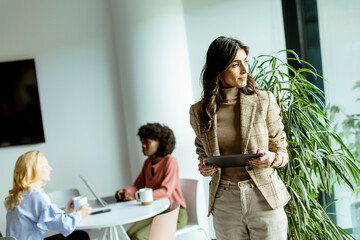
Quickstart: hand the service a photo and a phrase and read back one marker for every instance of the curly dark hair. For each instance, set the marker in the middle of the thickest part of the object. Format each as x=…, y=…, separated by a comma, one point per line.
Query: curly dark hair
x=220, y=54
x=162, y=133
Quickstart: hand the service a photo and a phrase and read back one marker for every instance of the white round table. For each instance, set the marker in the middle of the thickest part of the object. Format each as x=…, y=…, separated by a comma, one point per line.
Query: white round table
x=122, y=213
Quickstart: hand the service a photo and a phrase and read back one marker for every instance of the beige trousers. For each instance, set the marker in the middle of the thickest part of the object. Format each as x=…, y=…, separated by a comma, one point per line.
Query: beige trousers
x=241, y=213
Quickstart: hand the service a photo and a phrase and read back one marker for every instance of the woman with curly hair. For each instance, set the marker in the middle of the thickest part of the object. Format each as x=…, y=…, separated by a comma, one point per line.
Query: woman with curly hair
x=30, y=212
x=159, y=172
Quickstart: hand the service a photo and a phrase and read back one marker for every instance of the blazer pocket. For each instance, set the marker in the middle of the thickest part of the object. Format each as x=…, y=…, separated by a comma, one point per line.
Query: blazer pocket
x=277, y=185
x=212, y=189
x=219, y=192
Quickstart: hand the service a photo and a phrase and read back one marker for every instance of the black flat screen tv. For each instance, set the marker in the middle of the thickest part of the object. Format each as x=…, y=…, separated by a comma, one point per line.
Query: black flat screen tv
x=20, y=113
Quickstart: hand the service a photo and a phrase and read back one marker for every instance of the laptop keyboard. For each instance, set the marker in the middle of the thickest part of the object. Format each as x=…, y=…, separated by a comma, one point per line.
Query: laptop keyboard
x=109, y=199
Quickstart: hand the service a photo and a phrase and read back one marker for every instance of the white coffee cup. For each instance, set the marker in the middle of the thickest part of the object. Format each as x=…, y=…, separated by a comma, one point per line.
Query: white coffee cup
x=145, y=196
x=79, y=201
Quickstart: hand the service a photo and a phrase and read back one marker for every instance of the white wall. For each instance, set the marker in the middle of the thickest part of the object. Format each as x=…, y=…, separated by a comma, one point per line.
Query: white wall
x=154, y=71
x=155, y=78
x=258, y=24
x=340, y=52
x=73, y=47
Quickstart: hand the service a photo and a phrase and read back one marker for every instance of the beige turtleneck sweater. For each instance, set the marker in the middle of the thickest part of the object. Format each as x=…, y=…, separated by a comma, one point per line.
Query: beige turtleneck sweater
x=228, y=132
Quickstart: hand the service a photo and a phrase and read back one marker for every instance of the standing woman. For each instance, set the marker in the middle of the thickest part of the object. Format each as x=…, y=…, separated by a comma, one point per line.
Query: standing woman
x=30, y=213
x=234, y=117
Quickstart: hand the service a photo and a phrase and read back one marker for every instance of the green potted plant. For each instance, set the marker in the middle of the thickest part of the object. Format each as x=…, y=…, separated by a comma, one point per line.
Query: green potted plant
x=318, y=156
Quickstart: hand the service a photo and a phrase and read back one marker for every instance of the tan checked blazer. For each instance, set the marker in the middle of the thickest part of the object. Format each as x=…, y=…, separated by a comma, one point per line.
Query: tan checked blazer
x=261, y=127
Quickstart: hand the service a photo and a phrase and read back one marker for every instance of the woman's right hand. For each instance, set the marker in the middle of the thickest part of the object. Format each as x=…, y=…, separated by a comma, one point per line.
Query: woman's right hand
x=84, y=210
x=207, y=170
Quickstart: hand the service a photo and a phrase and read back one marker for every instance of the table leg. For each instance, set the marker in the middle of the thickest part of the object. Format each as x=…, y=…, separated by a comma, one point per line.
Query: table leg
x=105, y=233
x=122, y=233
x=112, y=233
x=115, y=233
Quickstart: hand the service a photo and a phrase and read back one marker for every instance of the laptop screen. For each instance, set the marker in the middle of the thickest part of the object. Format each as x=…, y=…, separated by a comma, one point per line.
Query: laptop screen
x=93, y=192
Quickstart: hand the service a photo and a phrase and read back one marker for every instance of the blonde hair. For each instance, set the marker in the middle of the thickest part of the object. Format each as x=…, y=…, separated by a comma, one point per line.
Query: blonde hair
x=25, y=174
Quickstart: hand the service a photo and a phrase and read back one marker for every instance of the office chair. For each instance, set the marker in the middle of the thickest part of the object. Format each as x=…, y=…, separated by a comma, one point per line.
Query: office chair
x=189, y=191
x=62, y=197
x=163, y=226
x=6, y=238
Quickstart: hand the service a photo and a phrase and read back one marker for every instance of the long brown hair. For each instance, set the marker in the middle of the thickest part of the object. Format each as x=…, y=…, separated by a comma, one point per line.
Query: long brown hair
x=220, y=54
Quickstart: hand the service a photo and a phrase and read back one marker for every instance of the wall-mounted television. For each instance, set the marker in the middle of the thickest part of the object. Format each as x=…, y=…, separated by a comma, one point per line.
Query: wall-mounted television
x=20, y=111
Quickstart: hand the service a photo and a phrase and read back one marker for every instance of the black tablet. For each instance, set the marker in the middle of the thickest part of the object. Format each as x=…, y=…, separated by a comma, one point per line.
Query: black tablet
x=226, y=161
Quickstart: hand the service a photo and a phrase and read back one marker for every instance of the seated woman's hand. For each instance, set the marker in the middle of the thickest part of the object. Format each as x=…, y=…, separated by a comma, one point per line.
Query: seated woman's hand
x=123, y=195
x=119, y=195
x=206, y=170
x=128, y=196
x=84, y=210
x=70, y=206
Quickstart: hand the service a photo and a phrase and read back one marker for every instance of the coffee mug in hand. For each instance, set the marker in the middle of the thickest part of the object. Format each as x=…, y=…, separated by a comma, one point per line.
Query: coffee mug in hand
x=79, y=201
x=145, y=196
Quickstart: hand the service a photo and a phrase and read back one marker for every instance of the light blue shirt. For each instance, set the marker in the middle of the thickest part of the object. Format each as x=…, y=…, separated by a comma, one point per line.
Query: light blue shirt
x=35, y=215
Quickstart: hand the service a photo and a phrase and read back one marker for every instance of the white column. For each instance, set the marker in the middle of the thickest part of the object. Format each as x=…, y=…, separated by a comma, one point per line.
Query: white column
x=154, y=72
x=155, y=79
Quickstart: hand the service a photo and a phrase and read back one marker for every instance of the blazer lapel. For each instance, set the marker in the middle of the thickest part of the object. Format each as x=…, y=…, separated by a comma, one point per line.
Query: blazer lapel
x=247, y=116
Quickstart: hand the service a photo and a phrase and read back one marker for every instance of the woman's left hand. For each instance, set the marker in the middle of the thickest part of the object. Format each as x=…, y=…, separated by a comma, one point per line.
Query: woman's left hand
x=129, y=196
x=265, y=161
x=123, y=195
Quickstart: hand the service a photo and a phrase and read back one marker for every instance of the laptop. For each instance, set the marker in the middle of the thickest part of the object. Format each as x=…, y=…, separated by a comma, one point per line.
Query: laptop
x=104, y=201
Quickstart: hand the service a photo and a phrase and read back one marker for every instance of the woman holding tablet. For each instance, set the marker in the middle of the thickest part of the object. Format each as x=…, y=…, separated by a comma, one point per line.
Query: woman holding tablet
x=234, y=117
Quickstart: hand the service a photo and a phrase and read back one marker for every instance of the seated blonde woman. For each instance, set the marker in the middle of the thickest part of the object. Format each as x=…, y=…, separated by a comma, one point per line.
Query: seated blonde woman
x=30, y=212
